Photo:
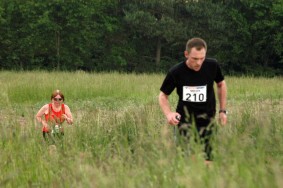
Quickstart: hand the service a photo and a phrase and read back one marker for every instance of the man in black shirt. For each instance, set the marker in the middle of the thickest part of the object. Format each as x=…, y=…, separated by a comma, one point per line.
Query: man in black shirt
x=194, y=79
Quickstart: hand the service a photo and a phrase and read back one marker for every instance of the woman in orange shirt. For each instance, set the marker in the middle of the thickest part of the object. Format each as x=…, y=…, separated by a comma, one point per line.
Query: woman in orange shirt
x=55, y=113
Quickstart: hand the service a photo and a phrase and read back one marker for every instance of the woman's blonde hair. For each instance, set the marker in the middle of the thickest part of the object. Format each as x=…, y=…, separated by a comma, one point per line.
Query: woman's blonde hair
x=57, y=92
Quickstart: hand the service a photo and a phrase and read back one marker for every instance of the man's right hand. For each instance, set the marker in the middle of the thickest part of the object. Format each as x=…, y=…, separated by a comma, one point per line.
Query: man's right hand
x=173, y=118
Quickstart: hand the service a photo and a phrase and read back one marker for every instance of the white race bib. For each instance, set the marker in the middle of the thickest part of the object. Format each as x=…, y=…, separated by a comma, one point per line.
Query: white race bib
x=194, y=93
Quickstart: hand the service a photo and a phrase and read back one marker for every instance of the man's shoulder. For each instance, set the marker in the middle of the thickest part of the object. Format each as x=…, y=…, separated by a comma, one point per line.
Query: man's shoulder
x=211, y=60
x=211, y=63
x=176, y=67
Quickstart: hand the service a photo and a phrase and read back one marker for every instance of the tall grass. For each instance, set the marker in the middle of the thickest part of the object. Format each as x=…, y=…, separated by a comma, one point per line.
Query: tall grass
x=120, y=137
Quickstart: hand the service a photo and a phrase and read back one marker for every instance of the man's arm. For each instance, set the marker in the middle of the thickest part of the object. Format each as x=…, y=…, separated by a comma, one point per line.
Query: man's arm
x=222, y=96
x=165, y=106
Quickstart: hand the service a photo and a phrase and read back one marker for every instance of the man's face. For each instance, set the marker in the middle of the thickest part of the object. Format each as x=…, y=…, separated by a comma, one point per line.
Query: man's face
x=195, y=58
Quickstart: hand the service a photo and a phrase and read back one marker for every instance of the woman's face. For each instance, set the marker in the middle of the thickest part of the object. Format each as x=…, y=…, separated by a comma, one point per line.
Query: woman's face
x=57, y=99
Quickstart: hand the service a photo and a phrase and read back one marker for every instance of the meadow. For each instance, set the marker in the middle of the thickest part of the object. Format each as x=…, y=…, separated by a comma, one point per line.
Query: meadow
x=120, y=137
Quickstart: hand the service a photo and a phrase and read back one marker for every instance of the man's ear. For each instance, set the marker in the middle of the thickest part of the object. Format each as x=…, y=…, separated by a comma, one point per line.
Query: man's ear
x=186, y=54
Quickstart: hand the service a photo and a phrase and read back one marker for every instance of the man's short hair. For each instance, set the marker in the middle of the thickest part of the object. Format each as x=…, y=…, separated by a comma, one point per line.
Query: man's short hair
x=197, y=43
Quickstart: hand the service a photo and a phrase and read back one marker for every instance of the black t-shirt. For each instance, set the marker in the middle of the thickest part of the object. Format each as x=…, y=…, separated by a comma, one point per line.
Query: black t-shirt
x=194, y=88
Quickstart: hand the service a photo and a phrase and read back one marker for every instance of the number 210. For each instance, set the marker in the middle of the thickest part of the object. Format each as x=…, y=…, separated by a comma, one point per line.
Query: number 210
x=195, y=97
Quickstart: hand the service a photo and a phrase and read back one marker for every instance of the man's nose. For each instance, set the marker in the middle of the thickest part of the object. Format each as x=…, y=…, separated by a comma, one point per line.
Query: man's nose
x=199, y=61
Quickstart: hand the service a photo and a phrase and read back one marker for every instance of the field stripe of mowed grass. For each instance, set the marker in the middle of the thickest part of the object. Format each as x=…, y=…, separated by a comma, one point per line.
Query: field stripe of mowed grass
x=120, y=137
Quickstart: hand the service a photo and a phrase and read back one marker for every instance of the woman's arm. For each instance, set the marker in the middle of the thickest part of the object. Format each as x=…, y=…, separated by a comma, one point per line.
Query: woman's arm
x=68, y=115
x=40, y=113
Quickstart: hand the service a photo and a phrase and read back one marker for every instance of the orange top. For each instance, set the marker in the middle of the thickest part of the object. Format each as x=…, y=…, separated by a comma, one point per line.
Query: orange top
x=54, y=117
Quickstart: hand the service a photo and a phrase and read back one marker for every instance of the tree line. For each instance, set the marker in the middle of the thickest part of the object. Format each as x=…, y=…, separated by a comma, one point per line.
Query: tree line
x=245, y=36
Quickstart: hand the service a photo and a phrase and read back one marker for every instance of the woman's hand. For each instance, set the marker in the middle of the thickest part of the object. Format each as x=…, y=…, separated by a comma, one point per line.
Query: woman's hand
x=68, y=119
x=45, y=125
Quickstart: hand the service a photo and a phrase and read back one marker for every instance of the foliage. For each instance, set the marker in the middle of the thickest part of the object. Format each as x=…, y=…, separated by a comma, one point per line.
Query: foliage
x=138, y=35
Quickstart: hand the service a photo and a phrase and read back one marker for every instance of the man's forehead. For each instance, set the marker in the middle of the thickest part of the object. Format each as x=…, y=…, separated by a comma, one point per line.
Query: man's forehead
x=197, y=53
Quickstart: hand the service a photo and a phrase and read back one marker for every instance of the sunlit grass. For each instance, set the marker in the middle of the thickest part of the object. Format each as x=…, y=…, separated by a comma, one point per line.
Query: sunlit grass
x=120, y=137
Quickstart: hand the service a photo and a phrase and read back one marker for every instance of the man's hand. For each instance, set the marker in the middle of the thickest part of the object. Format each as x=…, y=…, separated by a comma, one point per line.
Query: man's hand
x=222, y=118
x=173, y=118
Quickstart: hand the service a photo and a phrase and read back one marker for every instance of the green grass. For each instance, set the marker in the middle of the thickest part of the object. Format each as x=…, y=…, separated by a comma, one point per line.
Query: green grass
x=120, y=137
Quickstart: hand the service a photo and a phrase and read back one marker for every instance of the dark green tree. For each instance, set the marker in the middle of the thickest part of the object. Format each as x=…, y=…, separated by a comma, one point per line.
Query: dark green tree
x=255, y=34
x=53, y=34
x=138, y=35
x=154, y=21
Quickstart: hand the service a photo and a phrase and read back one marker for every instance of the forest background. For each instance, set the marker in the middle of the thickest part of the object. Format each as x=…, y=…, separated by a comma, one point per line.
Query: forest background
x=245, y=36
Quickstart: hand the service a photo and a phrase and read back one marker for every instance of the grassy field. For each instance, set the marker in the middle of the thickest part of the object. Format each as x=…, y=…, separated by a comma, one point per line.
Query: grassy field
x=120, y=137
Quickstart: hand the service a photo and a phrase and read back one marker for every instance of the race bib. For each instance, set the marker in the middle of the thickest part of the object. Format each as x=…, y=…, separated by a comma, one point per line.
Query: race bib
x=194, y=93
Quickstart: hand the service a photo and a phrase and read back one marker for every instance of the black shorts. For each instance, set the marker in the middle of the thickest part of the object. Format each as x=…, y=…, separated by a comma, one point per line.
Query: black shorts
x=52, y=138
x=201, y=129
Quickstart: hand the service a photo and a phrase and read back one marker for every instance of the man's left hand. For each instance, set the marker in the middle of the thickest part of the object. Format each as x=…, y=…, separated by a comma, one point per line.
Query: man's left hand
x=222, y=118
